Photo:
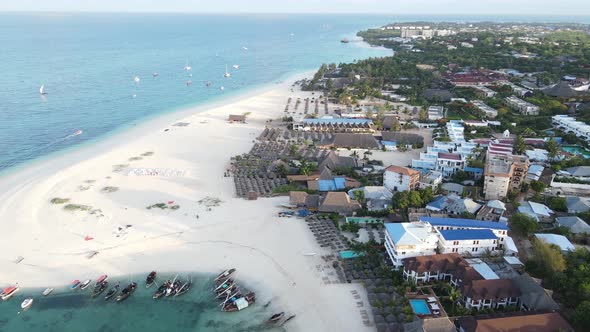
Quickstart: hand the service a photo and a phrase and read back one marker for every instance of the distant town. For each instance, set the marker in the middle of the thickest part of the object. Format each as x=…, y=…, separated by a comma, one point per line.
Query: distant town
x=451, y=179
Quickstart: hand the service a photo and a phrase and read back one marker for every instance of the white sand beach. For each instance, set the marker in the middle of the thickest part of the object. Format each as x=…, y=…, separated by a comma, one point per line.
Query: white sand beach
x=190, y=161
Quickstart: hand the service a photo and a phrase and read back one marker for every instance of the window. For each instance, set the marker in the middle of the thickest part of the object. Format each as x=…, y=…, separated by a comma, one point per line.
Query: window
x=455, y=243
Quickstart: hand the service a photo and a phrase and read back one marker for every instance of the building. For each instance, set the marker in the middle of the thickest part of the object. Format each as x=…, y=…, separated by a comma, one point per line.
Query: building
x=414, y=32
x=546, y=322
x=524, y=107
x=453, y=204
x=490, y=294
x=376, y=197
x=449, y=163
x=569, y=124
x=537, y=211
x=398, y=178
x=472, y=242
x=335, y=125
x=301, y=199
x=558, y=240
x=339, y=202
x=493, y=210
x=436, y=113
x=430, y=179
x=405, y=240
x=484, y=92
x=560, y=90
x=503, y=173
x=577, y=204
x=487, y=110
x=532, y=295
x=439, y=267
x=518, y=90
x=575, y=224
x=353, y=141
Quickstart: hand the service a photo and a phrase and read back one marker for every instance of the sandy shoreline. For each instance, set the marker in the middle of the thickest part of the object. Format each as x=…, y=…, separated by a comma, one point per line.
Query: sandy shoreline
x=266, y=250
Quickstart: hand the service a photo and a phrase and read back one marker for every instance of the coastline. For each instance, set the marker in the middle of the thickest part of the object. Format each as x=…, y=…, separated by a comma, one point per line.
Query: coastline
x=130, y=239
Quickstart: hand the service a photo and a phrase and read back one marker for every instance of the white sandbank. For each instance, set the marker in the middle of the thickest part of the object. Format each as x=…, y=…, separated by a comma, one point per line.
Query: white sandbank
x=267, y=251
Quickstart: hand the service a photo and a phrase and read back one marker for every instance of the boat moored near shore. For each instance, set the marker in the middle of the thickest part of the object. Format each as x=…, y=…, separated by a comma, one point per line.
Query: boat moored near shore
x=8, y=292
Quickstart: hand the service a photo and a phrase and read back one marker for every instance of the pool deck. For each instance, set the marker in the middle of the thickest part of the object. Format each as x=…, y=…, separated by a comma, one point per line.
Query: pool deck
x=419, y=295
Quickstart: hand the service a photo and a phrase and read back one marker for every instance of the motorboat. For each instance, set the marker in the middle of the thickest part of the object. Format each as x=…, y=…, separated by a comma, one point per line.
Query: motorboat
x=99, y=288
x=126, y=292
x=136, y=79
x=27, y=303
x=161, y=291
x=224, y=275
x=75, y=284
x=236, y=66
x=85, y=284
x=112, y=292
x=150, y=280
x=102, y=278
x=8, y=292
x=47, y=291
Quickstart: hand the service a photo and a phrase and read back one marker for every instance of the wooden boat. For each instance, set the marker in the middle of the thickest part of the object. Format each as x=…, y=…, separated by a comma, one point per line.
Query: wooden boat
x=99, y=288
x=224, y=285
x=184, y=288
x=231, y=297
x=47, y=291
x=75, y=284
x=27, y=303
x=161, y=291
x=150, y=280
x=276, y=317
x=241, y=303
x=228, y=291
x=225, y=274
x=85, y=284
x=100, y=279
x=126, y=292
x=8, y=292
x=112, y=292
x=173, y=288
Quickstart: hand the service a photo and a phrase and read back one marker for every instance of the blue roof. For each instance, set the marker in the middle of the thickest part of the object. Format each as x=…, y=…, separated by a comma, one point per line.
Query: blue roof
x=468, y=234
x=338, y=120
x=471, y=223
x=395, y=230
x=389, y=143
x=473, y=169
x=338, y=183
x=438, y=202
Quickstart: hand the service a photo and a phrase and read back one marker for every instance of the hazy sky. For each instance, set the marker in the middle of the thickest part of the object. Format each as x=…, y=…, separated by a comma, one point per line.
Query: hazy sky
x=482, y=7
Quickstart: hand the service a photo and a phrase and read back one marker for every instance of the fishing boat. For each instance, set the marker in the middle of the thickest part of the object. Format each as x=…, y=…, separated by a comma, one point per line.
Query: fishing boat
x=47, y=291
x=227, y=74
x=345, y=41
x=240, y=304
x=224, y=275
x=27, y=303
x=42, y=90
x=99, y=288
x=224, y=286
x=161, y=291
x=150, y=280
x=184, y=288
x=75, y=284
x=126, y=292
x=85, y=284
x=173, y=288
x=276, y=317
x=231, y=296
x=100, y=279
x=8, y=292
x=228, y=291
x=112, y=292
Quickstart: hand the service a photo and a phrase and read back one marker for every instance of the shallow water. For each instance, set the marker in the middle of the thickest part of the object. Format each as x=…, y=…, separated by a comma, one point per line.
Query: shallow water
x=66, y=310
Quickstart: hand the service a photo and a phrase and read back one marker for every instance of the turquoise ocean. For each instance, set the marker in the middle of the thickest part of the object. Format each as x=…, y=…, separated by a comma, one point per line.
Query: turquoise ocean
x=88, y=64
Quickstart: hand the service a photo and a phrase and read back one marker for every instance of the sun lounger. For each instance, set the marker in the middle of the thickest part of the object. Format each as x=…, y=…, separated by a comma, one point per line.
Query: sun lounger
x=434, y=306
x=431, y=299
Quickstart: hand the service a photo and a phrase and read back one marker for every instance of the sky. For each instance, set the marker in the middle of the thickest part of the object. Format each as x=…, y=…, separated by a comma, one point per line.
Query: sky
x=460, y=7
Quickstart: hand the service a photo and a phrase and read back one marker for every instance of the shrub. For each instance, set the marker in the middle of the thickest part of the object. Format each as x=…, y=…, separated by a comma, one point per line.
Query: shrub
x=57, y=200
x=77, y=207
x=110, y=189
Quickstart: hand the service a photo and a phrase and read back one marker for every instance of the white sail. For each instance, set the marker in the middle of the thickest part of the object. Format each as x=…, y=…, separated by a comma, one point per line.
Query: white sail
x=42, y=89
x=227, y=74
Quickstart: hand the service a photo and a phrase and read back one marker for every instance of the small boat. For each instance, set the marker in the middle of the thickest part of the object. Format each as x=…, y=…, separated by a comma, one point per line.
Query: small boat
x=126, y=292
x=47, y=291
x=173, y=288
x=208, y=84
x=42, y=90
x=150, y=280
x=230, y=291
x=244, y=48
x=77, y=132
x=345, y=41
x=276, y=317
x=241, y=303
x=224, y=275
x=85, y=284
x=99, y=288
x=136, y=79
x=8, y=292
x=227, y=74
x=222, y=89
x=161, y=291
x=186, y=66
x=232, y=295
x=112, y=292
x=155, y=74
x=100, y=279
x=184, y=288
x=189, y=83
x=75, y=284
x=236, y=66
x=224, y=285
x=27, y=303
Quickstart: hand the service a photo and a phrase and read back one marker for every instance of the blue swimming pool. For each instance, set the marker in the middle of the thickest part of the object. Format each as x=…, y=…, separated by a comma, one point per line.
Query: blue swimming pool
x=347, y=254
x=420, y=307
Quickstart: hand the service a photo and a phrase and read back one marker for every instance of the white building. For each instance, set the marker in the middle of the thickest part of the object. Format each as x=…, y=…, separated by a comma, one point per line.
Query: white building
x=485, y=91
x=430, y=179
x=518, y=90
x=446, y=235
x=487, y=110
x=524, y=107
x=397, y=178
x=436, y=113
x=570, y=125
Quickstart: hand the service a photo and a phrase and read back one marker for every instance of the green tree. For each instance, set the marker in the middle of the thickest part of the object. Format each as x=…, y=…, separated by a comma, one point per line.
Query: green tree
x=401, y=200
x=581, y=316
x=524, y=224
x=552, y=148
x=415, y=199
x=537, y=186
x=548, y=257
x=519, y=145
x=558, y=204
x=454, y=296
x=359, y=196
x=427, y=195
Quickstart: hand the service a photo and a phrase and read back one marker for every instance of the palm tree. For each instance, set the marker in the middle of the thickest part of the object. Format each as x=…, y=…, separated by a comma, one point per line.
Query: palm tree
x=454, y=296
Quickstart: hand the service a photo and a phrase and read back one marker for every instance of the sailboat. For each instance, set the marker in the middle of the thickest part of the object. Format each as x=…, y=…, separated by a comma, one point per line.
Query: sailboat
x=42, y=90
x=186, y=66
x=227, y=74
x=136, y=79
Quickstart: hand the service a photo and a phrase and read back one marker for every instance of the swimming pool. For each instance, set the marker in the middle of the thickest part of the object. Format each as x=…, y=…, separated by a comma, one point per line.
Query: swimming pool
x=574, y=149
x=347, y=254
x=420, y=307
